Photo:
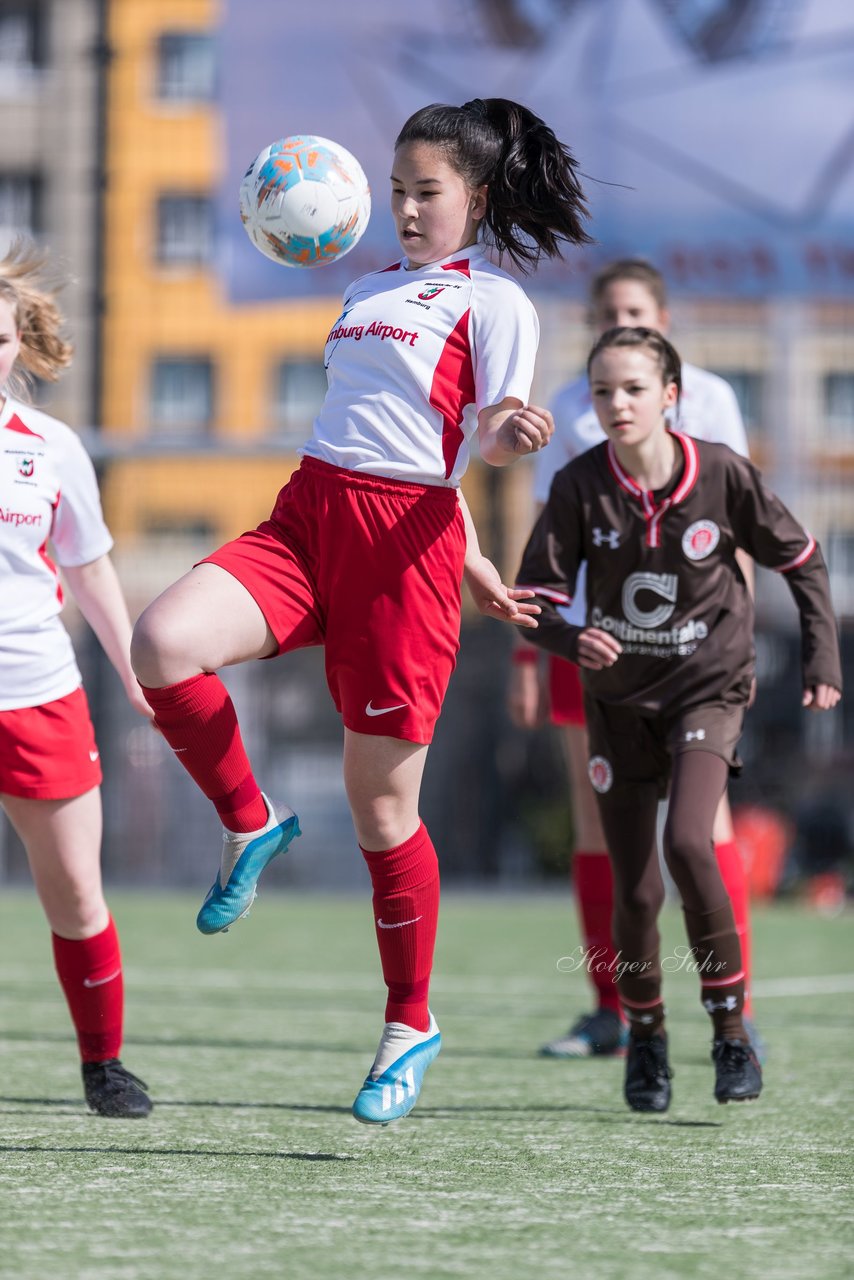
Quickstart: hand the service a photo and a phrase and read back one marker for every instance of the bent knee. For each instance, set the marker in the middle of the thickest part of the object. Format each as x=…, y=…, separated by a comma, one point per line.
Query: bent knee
x=159, y=652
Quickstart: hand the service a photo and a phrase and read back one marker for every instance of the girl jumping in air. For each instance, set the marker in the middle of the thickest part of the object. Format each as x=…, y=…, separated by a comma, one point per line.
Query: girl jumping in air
x=365, y=550
x=667, y=665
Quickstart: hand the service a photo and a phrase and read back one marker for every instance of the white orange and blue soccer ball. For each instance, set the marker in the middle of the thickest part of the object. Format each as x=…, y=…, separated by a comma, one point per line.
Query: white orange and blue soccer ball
x=305, y=201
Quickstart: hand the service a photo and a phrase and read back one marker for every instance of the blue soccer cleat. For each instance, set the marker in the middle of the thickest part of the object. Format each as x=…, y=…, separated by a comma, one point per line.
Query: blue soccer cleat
x=394, y=1082
x=244, y=857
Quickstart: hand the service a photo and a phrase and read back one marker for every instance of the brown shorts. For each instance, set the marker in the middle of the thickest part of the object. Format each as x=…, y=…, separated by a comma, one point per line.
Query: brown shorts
x=627, y=747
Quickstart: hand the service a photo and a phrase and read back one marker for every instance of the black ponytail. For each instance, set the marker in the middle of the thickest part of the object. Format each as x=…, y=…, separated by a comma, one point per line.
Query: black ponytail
x=535, y=204
x=662, y=351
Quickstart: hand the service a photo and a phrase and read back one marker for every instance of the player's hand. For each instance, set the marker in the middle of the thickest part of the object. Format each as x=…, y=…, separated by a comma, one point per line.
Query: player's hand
x=494, y=599
x=527, y=696
x=597, y=649
x=821, y=697
x=532, y=428
x=137, y=700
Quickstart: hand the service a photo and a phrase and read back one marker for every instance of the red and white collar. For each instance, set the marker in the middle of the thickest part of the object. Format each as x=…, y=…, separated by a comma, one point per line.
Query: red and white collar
x=653, y=511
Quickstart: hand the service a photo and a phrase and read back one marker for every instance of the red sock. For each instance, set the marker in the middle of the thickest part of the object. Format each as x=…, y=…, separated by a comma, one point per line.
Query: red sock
x=593, y=883
x=90, y=971
x=734, y=876
x=406, y=908
x=198, y=720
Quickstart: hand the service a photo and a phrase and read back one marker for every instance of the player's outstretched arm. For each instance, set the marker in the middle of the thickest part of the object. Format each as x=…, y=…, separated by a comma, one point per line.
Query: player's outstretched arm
x=483, y=580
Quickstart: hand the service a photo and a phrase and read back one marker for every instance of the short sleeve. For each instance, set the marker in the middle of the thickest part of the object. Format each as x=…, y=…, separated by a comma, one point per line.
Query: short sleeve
x=79, y=534
x=505, y=333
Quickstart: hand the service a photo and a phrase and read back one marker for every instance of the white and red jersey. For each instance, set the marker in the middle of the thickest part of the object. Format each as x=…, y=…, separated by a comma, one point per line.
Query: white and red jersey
x=708, y=410
x=415, y=355
x=50, y=511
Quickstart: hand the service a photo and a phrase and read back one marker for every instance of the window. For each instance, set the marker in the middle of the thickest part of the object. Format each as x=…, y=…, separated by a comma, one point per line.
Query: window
x=186, y=68
x=298, y=395
x=20, y=205
x=181, y=396
x=839, y=404
x=839, y=546
x=22, y=35
x=174, y=528
x=747, y=386
x=185, y=230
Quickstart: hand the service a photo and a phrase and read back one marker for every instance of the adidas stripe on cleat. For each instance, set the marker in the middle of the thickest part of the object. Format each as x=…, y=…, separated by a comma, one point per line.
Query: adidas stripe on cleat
x=394, y=1082
x=244, y=857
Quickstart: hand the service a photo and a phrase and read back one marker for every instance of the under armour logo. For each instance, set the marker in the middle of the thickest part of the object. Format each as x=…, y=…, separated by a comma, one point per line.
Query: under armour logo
x=728, y=1005
x=602, y=539
x=694, y=735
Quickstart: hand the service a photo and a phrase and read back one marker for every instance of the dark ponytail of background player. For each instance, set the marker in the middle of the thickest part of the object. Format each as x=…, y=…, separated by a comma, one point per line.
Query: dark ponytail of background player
x=535, y=202
x=664, y=352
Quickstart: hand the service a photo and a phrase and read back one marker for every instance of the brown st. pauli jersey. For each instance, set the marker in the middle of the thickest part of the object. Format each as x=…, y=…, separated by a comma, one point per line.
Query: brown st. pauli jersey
x=662, y=576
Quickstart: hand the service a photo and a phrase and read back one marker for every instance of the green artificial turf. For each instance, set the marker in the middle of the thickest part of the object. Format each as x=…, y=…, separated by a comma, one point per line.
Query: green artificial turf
x=511, y=1166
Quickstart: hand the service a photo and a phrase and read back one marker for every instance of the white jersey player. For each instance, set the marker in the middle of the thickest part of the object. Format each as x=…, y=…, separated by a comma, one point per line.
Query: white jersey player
x=418, y=349
x=50, y=770
x=50, y=514
x=368, y=543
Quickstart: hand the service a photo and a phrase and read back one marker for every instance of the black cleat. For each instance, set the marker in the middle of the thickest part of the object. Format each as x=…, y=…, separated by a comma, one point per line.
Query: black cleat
x=112, y=1090
x=648, y=1074
x=738, y=1075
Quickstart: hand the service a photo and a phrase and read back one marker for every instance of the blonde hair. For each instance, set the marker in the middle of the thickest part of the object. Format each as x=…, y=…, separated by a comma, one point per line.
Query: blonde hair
x=25, y=287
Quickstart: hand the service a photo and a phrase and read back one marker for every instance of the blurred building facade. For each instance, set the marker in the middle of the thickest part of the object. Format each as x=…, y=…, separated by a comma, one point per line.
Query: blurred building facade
x=111, y=154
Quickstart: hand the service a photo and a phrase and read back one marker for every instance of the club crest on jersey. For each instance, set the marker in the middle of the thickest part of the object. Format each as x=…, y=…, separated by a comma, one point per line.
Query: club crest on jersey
x=600, y=773
x=700, y=539
x=25, y=467
x=431, y=291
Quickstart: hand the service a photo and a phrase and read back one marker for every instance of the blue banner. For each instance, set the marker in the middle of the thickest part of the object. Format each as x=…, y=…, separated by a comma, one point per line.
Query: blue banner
x=716, y=138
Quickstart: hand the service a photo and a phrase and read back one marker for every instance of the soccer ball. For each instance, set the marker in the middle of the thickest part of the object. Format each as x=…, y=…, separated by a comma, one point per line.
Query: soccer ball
x=304, y=201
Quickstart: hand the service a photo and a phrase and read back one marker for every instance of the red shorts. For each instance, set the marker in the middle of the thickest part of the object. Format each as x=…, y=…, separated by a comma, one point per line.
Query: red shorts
x=566, y=693
x=49, y=752
x=371, y=569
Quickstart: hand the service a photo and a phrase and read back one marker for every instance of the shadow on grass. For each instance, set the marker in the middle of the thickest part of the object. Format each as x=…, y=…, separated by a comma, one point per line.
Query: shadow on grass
x=605, y=1115
x=210, y=1104
x=31, y=1148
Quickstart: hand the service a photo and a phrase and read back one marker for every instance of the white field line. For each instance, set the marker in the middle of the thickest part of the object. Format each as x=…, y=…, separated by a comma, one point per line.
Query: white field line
x=830, y=985
x=501, y=985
